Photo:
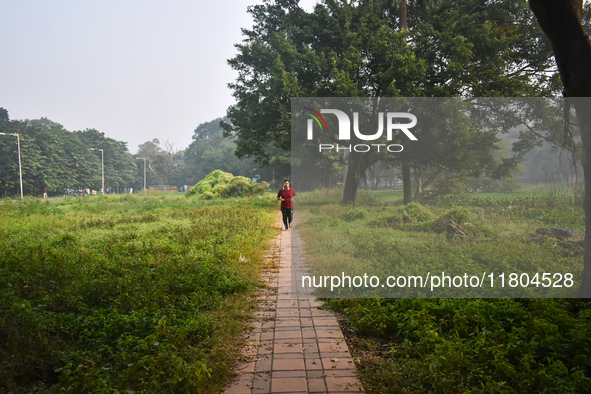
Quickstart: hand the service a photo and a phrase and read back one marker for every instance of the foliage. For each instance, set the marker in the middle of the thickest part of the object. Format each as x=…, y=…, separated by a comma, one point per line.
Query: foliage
x=497, y=345
x=164, y=164
x=119, y=166
x=454, y=184
x=219, y=184
x=210, y=151
x=455, y=344
x=354, y=214
x=547, y=164
x=399, y=216
x=358, y=49
x=125, y=293
x=551, y=207
x=56, y=159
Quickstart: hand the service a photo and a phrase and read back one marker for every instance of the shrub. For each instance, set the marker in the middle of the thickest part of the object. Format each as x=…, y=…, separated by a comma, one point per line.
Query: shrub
x=354, y=214
x=401, y=215
x=220, y=184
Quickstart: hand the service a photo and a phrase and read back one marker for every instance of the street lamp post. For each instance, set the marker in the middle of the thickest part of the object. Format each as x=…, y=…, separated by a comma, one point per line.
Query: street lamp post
x=102, y=168
x=143, y=158
x=20, y=171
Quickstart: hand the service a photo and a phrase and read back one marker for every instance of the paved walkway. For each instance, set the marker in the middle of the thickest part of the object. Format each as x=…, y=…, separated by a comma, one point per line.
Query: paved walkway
x=293, y=346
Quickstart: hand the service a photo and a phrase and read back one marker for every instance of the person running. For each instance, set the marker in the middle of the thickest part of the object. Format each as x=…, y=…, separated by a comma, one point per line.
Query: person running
x=286, y=195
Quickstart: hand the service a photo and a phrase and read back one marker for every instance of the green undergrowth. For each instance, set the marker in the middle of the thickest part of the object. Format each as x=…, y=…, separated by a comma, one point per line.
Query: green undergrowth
x=473, y=345
x=126, y=293
x=384, y=240
x=464, y=344
x=552, y=207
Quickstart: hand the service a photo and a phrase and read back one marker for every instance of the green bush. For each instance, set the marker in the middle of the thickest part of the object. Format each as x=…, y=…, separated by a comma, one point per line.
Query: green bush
x=354, y=214
x=401, y=215
x=490, y=185
x=219, y=184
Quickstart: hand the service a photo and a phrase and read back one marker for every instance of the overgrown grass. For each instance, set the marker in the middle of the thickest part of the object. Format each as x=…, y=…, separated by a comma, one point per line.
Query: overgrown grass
x=557, y=207
x=126, y=293
x=456, y=344
x=382, y=239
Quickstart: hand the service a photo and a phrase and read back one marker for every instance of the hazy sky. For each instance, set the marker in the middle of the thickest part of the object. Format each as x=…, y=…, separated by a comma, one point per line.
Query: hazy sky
x=135, y=70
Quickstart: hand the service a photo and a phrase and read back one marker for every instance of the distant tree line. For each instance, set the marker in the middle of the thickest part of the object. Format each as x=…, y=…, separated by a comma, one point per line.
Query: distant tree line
x=57, y=159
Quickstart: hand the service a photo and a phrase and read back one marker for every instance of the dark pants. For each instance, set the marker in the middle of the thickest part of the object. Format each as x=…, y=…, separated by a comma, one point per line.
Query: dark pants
x=287, y=216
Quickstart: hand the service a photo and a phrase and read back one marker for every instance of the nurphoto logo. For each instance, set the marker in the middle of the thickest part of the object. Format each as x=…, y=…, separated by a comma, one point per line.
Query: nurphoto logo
x=394, y=122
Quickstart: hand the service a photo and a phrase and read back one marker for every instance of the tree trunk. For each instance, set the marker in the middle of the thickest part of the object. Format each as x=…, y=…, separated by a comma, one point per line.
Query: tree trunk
x=419, y=188
x=582, y=107
x=403, y=18
x=351, y=184
x=561, y=21
x=358, y=163
x=406, y=185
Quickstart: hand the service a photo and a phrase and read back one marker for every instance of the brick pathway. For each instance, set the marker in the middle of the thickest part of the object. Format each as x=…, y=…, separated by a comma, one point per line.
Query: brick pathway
x=293, y=346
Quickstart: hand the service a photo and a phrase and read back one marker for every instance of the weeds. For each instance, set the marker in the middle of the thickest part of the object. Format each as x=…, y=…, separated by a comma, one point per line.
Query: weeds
x=125, y=293
x=552, y=207
x=456, y=344
x=499, y=345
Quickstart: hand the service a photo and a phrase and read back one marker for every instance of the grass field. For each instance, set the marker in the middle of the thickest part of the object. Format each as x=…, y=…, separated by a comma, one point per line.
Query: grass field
x=417, y=345
x=126, y=293
x=148, y=293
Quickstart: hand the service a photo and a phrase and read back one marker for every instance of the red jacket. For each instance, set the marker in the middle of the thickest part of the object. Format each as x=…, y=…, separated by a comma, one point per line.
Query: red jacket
x=287, y=196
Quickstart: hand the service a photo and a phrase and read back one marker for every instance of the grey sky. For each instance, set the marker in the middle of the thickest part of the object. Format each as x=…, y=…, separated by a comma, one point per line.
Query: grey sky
x=135, y=70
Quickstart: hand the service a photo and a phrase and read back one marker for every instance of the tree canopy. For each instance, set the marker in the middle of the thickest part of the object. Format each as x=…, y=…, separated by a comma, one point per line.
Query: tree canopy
x=359, y=49
x=55, y=158
x=165, y=163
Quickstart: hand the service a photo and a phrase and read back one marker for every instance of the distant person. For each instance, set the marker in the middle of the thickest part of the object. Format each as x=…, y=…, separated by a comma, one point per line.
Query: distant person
x=286, y=195
x=45, y=194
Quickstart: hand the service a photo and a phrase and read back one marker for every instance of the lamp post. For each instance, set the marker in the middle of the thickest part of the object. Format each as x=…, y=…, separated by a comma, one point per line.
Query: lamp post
x=20, y=171
x=102, y=168
x=143, y=158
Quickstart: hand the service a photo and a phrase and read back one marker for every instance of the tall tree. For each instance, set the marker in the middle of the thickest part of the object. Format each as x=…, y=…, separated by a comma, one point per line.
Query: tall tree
x=561, y=21
x=357, y=49
x=9, y=179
